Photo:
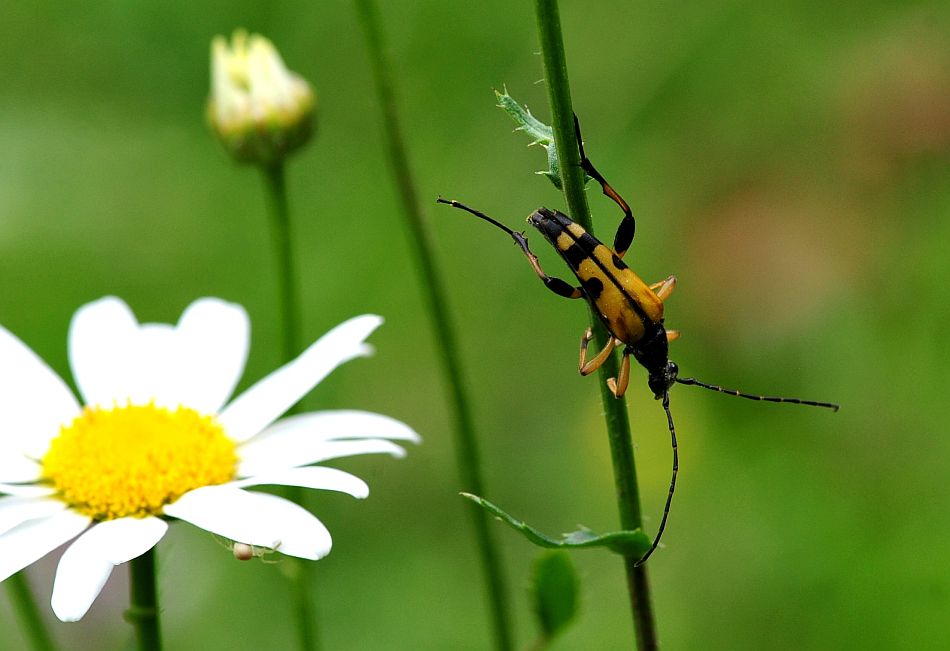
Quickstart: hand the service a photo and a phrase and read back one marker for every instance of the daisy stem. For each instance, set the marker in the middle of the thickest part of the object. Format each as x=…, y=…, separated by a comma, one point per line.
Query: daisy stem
x=421, y=242
x=143, y=611
x=21, y=597
x=300, y=572
x=615, y=411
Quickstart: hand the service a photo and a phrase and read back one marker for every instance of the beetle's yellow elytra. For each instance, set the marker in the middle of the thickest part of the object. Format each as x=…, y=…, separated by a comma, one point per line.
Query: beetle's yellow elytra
x=625, y=304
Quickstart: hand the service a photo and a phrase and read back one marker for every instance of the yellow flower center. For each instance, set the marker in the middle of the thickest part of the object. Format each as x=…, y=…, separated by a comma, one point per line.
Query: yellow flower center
x=133, y=460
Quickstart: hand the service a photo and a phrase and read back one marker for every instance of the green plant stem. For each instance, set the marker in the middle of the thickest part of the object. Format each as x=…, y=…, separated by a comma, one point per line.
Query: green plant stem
x=21, y=597
x=618, y=424
x=465, y=442
x=299, y=571
x=301, y=575
x=276, y=186
x=143, y=609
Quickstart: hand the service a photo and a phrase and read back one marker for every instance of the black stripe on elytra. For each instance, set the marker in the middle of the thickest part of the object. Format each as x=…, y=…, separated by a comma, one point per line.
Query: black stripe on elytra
x=586, y=239
x=574, y=255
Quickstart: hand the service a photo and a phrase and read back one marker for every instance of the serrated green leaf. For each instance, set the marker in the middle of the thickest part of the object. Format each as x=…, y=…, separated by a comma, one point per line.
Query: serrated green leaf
x=539, y=132
x=555, y=588
x=626, y=543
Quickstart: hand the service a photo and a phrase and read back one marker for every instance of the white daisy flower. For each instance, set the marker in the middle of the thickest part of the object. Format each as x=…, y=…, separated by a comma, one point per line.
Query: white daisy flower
x=156, y=438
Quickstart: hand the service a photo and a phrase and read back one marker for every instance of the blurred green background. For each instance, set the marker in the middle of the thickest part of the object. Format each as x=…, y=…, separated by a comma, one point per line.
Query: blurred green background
x=789, y=163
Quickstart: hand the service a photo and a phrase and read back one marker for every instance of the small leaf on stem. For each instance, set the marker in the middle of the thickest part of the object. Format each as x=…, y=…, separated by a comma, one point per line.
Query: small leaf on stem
x=626, y=543
x=539, y=132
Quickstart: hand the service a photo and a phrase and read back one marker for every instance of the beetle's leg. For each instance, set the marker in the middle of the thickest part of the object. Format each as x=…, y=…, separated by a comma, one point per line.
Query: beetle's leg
x=672, y=335
x=556, y=285
x=585, y=367
x=628, y=225
x=664, y=288
x=619, y=386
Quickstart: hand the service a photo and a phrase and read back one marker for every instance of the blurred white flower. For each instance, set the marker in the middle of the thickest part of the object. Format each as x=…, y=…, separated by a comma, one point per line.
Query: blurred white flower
x=259, y=109
x=158, y=439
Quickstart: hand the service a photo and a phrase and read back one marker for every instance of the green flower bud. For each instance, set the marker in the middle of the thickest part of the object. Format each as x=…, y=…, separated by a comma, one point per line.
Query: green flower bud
x=259, y=109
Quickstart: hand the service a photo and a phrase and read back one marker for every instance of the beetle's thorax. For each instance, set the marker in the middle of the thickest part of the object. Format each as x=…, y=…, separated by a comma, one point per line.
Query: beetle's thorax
x=652, y=352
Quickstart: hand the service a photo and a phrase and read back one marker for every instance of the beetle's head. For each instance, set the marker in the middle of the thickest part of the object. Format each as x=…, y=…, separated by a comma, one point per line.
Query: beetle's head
x=548, y=222
x=540, y=216
x=662, y=379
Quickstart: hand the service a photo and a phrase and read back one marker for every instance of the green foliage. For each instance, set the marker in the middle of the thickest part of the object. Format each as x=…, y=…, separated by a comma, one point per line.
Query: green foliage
x=539, y=132
x=555, y=591
x=631, y=543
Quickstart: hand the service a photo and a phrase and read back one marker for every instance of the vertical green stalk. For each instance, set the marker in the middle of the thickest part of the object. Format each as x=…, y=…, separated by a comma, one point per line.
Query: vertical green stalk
x=300, y=575
x=143, y=608
x=24, y=605
x=298, y=571
x=615, y=411
x=421, y=241
x=276, y=186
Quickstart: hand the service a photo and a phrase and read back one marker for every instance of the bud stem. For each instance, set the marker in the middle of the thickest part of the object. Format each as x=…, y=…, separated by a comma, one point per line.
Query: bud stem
x=275, y=184
x=276, y=187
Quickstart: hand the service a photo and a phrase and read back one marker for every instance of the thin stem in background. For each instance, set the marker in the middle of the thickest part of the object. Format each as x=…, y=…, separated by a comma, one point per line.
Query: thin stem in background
x=31, y=622
x=299, y=571
x=465, y=443
x=615, y=411
x=143, y=597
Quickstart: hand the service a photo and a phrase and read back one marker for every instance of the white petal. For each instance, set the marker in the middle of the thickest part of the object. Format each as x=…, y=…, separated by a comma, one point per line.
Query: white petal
x=101, y=338
x=269, y=398
x=87, y=563
x=77, y=587
x=275, y=453
x=26, y=490
x=301, y=440
x=14, y=511
x=16, y=467
x=254, y=518
x=196, y=363
x=319, y=478
x=34, y=401
x=156, y=366
x=336, y=424
x=34, y=539
x=213, y=336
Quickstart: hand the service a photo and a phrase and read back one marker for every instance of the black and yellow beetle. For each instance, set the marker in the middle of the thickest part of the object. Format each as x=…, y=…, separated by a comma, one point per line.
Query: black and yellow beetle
x=631, y=310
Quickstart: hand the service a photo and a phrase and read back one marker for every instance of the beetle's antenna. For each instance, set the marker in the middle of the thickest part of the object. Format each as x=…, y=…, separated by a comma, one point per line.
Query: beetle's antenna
x=669, y=498
x=752, y=396
x=477, y=213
